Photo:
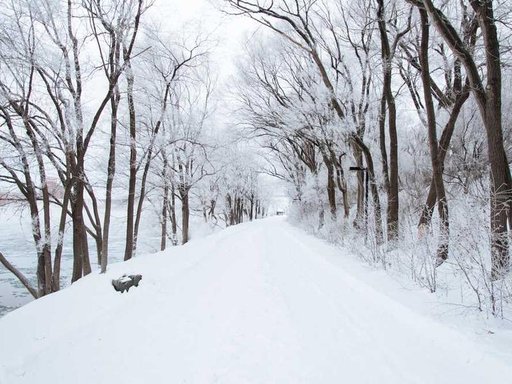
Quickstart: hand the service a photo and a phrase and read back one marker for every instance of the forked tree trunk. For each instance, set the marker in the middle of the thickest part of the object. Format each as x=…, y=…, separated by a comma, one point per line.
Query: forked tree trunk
x=165, y=203
x=489, y=100
x=386, y=54
x=437, y=169
x=81, y=262
x=331, y=185
x=60, y=240
x=174, y=223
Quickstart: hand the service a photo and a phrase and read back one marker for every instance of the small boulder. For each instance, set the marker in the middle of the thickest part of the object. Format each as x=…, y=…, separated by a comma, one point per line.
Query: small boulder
x=124, y=283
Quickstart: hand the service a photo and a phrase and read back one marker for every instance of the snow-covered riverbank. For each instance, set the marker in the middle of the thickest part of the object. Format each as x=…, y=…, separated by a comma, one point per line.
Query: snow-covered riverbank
x=17, y=244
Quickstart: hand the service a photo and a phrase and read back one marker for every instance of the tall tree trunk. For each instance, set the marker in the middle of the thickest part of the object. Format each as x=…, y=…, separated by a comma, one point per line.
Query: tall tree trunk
x=331, y=189
x=94, y=218
x=60, y=240
x=489, y=100
x=382, y=141
x=373, y=188
x=444, y=144
x=128, y=251
x=165, y=203
x=229, y=203
x=211, y=213
x=331, y=184
x=386, y=54
x=140, y=203
x=358, y=154
x=174, y=223
x=111, y=172
x=437, y=169
x=342, y=183
x=81, y=262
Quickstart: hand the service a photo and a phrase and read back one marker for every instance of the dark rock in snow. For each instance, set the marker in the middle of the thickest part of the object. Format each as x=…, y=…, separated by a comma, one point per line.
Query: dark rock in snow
x=124, y=283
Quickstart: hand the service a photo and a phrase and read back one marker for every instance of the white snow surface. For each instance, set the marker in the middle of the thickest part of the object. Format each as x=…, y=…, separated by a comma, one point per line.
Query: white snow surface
x=261, y=302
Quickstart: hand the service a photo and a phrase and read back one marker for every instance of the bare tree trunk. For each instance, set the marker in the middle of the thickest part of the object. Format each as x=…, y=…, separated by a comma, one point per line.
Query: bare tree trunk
x=213, y=204
x=47, y=252
x=239, y=210
x=501, y=184
x=444, y=144
x=229, y=203
x=185, y=214
x=142, y=194
x=111, y=172
x=94, y=219
x=128, y=251
x=387, y=56
x=342, y=183
x=437, y=168
x=140, y=203
x=44, y=267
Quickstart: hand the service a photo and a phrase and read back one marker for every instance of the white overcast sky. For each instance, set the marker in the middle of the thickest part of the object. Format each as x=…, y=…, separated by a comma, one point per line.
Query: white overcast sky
x=230, y=32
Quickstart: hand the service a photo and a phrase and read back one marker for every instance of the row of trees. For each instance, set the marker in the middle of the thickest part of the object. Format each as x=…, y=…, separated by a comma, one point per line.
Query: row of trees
x=97, y=105
x=322, y=91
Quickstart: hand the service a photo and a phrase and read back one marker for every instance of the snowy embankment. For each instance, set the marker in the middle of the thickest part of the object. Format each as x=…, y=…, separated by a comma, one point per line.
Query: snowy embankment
x=258, y=303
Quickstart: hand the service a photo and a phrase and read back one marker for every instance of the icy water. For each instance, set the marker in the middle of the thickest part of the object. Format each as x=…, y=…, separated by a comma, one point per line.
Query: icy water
x=17, y=245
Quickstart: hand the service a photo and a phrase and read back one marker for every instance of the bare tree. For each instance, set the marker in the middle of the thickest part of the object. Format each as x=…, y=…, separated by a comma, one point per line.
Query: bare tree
x=387, y=53
x=489, y=99
x=120, y=21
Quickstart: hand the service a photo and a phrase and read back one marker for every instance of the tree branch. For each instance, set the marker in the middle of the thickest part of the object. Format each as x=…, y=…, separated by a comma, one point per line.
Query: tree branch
x=19, y=275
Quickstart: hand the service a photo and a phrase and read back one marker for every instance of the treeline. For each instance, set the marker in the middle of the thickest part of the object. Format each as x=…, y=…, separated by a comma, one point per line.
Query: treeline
x=406, y=94
x=98, y=105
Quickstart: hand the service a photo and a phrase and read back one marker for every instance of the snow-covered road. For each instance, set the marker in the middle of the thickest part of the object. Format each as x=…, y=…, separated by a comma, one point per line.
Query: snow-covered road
x=256, y=303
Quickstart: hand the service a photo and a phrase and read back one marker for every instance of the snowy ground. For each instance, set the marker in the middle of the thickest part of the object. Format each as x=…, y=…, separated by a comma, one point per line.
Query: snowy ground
x=257, y=303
